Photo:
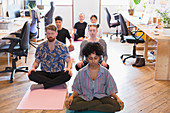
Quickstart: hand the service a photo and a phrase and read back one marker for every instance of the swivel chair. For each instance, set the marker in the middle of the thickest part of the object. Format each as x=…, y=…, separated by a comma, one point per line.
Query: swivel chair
x=18, y=47
x=112, y=25
x=34, y=26
x=132, y=38
x=49, y=16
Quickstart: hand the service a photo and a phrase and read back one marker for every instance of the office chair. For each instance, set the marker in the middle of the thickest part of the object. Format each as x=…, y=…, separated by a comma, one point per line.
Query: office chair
x=34, y=27
x=49, y=16
x=112, y=25
x=18, y=47
x=132, y=38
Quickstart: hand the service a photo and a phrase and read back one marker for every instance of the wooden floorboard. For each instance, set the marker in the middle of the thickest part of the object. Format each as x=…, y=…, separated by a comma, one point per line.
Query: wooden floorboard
x=136, y=86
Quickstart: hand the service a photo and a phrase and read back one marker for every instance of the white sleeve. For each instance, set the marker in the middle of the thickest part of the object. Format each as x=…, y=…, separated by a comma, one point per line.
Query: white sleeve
x=86, y=32
x=99, y=34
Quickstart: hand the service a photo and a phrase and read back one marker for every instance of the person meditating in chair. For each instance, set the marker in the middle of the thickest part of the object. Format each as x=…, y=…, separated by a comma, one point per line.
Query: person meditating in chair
x=93, y=29
x=94, y=88
x=52, y=55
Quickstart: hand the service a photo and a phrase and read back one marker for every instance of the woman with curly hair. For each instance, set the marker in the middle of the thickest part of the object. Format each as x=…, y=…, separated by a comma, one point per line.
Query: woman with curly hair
x=94, y=88
x=93, y=29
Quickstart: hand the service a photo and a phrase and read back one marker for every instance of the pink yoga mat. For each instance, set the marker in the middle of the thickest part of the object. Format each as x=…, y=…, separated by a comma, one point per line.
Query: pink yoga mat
x=44, y=99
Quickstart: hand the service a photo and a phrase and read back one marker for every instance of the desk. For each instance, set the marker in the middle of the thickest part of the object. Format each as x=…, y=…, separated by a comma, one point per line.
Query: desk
x=17, y=24
x=162, y=66
x=14, y=25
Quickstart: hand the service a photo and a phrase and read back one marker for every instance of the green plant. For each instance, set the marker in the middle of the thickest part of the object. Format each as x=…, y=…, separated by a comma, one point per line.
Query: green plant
x=144, y=6
x=30, y=8
x=165, y=18
x=132, y=2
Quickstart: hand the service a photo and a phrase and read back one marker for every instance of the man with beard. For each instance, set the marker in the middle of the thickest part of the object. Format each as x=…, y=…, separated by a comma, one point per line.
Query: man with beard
x=52, y=55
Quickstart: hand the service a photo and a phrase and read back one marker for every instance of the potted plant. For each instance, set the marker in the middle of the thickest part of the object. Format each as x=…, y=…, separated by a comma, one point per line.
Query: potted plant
x=165, y=18
x=131, y=6
x=30, y=8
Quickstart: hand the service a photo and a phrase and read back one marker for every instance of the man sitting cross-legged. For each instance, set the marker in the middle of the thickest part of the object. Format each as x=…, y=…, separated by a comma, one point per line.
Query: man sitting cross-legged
x=52, y=56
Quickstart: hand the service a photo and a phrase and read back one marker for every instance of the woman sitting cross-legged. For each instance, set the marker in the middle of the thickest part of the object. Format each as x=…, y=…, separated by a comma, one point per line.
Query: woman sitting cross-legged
x=93, y=29
x=94, y=88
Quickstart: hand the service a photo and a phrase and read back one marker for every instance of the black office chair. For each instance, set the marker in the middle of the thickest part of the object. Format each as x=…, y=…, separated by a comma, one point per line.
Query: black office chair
x=18, y=47
x=112, y=25
x=34, y=27
x=49, y=16
x=132, y=38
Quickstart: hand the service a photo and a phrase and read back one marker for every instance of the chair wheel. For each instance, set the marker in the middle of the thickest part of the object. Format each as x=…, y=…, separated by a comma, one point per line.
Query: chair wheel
x=11, y=81
x=7, y=68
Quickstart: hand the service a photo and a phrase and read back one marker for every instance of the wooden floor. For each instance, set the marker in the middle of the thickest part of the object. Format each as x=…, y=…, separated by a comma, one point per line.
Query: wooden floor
x=136, y=86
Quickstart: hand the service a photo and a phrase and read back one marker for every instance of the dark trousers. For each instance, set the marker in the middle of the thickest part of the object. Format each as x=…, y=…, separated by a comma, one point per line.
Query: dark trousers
x=85, y=63
x=105, y=104
x=76, y=36
x=49, y=79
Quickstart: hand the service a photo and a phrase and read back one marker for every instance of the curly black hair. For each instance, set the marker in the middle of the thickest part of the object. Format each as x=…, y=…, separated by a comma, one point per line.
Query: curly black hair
x=93, y=47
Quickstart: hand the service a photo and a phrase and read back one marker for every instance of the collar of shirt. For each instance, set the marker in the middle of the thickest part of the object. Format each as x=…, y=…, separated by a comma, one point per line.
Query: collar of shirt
x=56, y=45
x=101, y=70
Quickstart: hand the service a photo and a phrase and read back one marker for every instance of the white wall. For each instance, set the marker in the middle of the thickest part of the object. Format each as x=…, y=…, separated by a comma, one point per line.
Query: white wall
x=88, y=7
x=66, y=13
x=112, y=9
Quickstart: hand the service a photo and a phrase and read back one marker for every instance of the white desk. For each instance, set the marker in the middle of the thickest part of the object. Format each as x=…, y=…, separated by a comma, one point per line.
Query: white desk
x=13, y=26
x=17, y=24
x=162, y=66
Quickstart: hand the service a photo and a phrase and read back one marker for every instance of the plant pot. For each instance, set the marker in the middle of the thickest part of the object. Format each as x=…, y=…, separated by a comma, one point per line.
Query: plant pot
x=131, y=12
x=166, y=31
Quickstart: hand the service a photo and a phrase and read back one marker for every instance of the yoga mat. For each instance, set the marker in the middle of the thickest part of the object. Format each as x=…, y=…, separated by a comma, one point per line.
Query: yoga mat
x=44, y=99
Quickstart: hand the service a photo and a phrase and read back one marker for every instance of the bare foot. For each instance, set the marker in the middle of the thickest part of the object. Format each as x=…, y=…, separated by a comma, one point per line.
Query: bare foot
x=36, y=86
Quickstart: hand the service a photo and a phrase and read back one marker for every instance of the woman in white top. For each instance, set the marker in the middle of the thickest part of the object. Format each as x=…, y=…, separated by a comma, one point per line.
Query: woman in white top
x=93, y=20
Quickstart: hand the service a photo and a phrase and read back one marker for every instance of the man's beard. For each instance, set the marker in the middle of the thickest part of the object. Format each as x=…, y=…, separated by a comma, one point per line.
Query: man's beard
x=50, y=39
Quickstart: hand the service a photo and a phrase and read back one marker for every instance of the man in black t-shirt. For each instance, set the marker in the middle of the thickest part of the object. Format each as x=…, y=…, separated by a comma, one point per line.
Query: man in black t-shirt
x=62, y=32
x=79, y=28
